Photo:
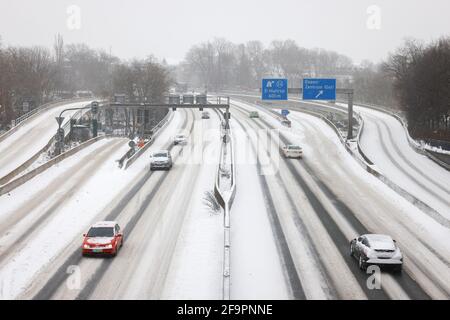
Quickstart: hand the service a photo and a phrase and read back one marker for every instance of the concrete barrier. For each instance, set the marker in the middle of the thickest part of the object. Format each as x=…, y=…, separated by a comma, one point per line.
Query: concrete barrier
x=30, y=175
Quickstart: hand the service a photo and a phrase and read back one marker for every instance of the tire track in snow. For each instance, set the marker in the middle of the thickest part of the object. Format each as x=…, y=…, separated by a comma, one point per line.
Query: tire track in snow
x=291, y=274
x=82, y=170
x=333, y=229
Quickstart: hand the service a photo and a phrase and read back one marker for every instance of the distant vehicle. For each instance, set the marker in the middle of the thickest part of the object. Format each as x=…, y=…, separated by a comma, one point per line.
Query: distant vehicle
x=104, y=237
x=180, y=139
x=376, y=249
x=254, y=114
x=292, y=151
x=161, y=160
x=286, y=122
x=205, y=115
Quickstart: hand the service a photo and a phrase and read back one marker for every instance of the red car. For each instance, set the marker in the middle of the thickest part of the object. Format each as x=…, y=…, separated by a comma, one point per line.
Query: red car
x=104, y=237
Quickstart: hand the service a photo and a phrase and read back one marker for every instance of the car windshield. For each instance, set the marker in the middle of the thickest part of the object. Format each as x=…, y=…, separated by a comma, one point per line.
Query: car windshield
x=294, y=147
x=160, y=155
x=180, y=136
x=101, y=232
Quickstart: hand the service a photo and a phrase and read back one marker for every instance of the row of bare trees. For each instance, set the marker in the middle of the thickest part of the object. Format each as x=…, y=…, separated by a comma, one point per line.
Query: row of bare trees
x=421, y=75
x=36, y=75
x=221, y=64
x=142, y=80
x=415, y=78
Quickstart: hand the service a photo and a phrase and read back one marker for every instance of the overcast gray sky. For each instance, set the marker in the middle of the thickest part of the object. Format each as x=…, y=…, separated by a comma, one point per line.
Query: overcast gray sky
x=167, y=28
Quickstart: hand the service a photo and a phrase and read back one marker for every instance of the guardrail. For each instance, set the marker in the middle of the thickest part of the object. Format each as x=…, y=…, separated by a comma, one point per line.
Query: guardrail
x=226, y=203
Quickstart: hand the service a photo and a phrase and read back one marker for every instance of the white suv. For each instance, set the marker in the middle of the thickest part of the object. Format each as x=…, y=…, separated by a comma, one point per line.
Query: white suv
x=292, y=151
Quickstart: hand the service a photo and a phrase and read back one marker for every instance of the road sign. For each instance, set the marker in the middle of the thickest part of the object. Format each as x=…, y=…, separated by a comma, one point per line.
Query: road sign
x=59, y=120
x=274, y=89
x=319, y=89
x=284, y=112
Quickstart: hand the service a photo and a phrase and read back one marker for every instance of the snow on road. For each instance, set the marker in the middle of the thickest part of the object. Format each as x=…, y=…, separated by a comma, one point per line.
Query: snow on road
x=196, y=268
x=256, y=270
x=377, y=207
x=31, y=137
x=424, y=241
x=40, y=219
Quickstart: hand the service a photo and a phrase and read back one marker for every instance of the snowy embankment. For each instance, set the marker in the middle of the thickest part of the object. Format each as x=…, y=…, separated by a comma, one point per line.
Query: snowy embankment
x=40, y=218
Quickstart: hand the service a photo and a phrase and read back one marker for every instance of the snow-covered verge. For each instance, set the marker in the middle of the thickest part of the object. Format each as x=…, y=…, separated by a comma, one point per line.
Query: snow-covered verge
x=54, y=208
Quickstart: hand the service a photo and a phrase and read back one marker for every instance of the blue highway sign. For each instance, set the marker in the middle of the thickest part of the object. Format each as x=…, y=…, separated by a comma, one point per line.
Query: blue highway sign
x=274, y=89
x=319, y=89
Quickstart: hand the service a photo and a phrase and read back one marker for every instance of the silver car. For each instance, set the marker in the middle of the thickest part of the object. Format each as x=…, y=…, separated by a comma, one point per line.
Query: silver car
x=161, y=160
x=376, y=249
x=180, y=139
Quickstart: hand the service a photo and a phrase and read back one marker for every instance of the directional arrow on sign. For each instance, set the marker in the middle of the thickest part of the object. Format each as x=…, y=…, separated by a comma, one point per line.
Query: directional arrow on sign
x=320, y=93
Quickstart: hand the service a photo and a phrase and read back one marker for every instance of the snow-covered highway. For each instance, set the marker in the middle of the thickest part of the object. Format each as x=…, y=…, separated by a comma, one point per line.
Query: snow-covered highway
x=291, y=220
x=159, y=212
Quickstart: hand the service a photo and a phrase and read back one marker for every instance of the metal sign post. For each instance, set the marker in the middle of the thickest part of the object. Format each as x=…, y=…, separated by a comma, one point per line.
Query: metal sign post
x=349, y=93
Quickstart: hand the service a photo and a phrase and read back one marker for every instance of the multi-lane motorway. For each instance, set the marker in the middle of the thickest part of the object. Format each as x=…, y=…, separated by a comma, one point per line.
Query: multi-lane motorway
x=291, y=220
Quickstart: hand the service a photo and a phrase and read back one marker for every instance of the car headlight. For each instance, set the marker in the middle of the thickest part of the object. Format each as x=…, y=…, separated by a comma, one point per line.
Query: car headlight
x=86, y=246
x=109, y=246
x=371, y=254
x=398, y=255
